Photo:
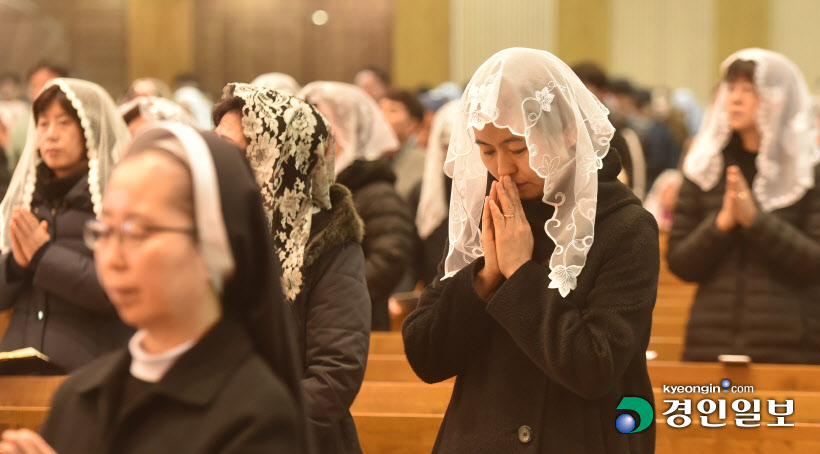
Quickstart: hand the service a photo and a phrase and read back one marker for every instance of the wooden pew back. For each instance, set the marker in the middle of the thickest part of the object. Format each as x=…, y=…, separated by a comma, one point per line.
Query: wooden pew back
x=5, y=318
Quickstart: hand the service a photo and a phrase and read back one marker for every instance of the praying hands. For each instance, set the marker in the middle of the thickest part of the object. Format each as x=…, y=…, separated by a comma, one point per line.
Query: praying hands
x=739, y=208
x=27, y=236
x=506, y=237
x=23, y=441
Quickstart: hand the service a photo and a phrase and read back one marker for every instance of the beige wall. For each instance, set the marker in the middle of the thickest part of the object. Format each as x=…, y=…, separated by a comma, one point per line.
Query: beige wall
x=480, y=28
x=740, y=24
x=583, y=31
x=663, y=44
x=794, y=30
x=160, y=38
x=656, y=43
x=421, y=36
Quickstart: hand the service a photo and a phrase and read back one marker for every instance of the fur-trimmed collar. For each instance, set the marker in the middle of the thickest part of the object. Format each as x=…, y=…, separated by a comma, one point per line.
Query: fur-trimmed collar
x=339, y=225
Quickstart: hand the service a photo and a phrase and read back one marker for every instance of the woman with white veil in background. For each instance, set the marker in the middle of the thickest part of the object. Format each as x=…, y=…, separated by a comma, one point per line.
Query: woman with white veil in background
x=746, y=225
x=46, y=271
x=434, y=195
x=363, y=136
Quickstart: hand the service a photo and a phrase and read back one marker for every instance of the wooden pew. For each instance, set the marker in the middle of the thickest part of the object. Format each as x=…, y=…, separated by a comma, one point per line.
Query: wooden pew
x=674, y=295
x=421, y=398
x=390, y=343
x=792, y=377
x=24, y=401
x=383, y=410
x=398, y=433
x=386, y=344
x=5, y=318
x=762, y=376
x=665, y=348
x=668, y=326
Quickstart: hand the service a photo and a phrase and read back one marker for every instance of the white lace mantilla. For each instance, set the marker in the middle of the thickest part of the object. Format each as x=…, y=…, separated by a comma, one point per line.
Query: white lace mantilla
x=567, y=132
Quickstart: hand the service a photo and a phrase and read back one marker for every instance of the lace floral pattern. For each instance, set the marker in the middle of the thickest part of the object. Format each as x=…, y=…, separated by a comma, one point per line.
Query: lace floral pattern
x=567, y=132
x=290, y=152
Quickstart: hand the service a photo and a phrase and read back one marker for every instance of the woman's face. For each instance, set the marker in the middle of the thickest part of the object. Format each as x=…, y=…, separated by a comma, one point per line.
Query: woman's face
x=505, y=154
x=230, y=128
x=396, y=113
x=60, y=141
x=158, y=277
x=741, y=105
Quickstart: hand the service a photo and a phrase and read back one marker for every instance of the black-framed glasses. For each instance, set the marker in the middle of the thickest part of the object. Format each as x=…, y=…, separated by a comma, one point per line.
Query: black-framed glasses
x=130, y=234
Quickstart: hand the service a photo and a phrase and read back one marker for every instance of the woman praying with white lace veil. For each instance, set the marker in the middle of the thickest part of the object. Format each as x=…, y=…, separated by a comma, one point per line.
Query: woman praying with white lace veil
x=47, y=275
x=543, y=305
x=317, y=234
x=746, y=226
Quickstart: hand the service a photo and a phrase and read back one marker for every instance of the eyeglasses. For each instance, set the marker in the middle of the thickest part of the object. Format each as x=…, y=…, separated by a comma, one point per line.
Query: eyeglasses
x=130, y=234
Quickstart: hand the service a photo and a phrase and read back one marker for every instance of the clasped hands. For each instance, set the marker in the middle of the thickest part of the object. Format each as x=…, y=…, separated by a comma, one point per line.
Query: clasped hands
x=23, y=441
x=506, y=236
x=739, y=208
x=27, y=236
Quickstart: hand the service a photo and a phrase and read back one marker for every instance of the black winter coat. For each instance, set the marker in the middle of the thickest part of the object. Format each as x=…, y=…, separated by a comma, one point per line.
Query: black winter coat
x=536, y=372
x=59, y=307
x=333, y=324
x=219, y=397
x=758, y=287
x=389, y=235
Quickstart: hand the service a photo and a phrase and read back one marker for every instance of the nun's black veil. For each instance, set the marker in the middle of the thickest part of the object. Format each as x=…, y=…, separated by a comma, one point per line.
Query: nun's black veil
x=254, y=293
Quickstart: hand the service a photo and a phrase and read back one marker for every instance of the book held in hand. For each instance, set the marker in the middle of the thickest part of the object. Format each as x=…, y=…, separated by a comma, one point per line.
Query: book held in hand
x=27, y=361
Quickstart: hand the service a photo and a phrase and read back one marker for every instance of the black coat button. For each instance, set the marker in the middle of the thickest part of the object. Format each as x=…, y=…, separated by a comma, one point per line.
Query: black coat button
x=524, y=434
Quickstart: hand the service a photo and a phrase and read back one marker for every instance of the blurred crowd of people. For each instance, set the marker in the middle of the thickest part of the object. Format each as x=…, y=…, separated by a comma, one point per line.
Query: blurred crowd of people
x=488, y=200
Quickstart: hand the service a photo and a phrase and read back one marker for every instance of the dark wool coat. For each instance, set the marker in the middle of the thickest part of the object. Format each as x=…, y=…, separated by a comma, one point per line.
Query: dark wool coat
x=333, y=324
x=535, y=372
x=219, y=397
x=59, y=307
x=389, y=235
x=758, y=287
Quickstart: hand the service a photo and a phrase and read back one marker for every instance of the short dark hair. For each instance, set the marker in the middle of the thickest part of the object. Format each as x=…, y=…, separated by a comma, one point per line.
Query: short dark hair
x=48, y=97
x=186, y=78
x=740, y=69
x=641, y=97
x=380, y=73
x=410, y=101
x=226, y=105
x=60, y=71
x=591, y=74
x=621, y=87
